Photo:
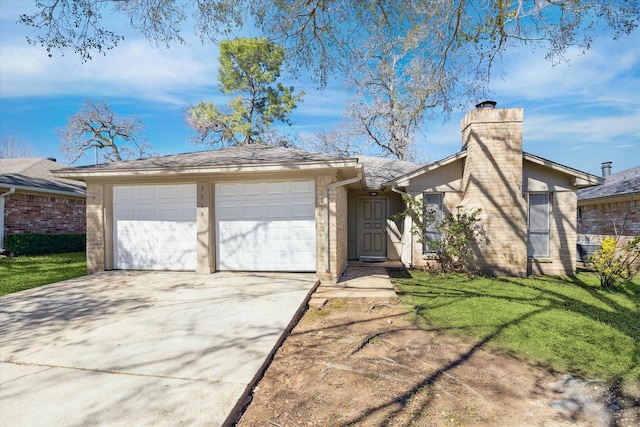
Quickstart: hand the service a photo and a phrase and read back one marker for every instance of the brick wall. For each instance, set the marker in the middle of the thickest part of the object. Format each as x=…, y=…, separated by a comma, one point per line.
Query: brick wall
x=492, y=181
x=37, y=213
x=339, y=205
x=96, y=255
x=601, y=220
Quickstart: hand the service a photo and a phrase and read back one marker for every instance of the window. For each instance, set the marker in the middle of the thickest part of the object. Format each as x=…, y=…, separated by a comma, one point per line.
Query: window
x=539, y=217
x=432, y=204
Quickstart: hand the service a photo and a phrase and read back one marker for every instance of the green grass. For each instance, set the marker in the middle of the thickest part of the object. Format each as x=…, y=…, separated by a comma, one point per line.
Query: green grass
x=566, y=324
x=26, y=272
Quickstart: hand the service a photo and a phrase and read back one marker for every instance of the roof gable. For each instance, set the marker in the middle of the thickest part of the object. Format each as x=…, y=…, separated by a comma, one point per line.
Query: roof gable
x=579, y=179
x=379, y=170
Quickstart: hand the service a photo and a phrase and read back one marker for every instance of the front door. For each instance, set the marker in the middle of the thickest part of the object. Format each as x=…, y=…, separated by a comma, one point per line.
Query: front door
x=372, y=225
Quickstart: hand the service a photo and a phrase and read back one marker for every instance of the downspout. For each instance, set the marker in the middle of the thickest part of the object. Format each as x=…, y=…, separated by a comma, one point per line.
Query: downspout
x=2, y=197
x=326, y=213
x=403, y=193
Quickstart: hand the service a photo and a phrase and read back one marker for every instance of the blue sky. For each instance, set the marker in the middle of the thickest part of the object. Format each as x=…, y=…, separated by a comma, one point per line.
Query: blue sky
x=578, y=114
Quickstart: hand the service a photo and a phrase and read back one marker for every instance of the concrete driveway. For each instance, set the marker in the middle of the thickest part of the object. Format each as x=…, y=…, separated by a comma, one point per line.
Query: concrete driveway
x=141, y=348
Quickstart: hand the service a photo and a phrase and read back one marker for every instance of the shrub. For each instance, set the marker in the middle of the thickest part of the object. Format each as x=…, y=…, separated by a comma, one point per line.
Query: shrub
x=458, y=233
x=41, y=244
x=616, y=262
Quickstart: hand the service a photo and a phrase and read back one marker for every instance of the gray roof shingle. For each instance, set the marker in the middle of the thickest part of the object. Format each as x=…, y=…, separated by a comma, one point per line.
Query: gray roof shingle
x=616, y=184
x=231, y=156
x=35, y=174
x=379, y=170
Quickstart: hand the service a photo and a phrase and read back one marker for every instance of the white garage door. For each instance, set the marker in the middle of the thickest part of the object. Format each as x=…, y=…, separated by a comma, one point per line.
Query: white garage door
x=154, y=227
x=266, y=226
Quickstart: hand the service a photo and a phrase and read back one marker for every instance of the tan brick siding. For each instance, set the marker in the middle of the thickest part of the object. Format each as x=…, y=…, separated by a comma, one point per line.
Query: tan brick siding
x=95, y=228
x=341, y=243
x=492, y=181
x=48, y=214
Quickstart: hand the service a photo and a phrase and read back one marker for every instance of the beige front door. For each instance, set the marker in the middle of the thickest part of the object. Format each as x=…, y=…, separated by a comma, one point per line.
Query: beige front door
x=372, y=224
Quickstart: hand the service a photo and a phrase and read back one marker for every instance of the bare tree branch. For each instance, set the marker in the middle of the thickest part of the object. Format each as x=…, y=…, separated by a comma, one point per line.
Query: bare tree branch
x=97, y=126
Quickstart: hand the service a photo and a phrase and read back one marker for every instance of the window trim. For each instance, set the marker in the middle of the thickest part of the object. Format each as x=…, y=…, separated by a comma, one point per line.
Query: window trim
x=425, y=250
x=539, y=231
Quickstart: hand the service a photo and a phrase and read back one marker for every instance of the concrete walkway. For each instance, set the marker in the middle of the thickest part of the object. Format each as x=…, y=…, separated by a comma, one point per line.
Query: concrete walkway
x=141, y=348
x=362, y=280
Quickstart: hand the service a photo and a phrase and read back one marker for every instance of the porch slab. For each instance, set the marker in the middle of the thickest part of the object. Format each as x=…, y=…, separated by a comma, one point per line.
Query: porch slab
x=362, y=280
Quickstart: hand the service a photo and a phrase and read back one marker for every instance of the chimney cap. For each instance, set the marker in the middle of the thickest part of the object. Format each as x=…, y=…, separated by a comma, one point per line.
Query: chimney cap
x=606, y=169
x=486, y=105
x=53, y=159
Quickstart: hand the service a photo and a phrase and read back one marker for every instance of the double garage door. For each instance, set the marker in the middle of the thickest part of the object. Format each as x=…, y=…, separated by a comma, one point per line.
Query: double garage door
x=259, y=226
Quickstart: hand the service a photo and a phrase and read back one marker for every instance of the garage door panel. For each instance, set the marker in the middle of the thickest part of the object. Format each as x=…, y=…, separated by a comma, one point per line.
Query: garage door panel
x=302, y=187
x=263, y=234
x=143, y=193
x=155, y=227
x=251, y=212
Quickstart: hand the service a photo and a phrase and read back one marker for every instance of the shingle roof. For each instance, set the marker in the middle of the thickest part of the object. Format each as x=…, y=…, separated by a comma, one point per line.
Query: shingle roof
x=35, y=174
x=616, y=184
x=379, y=170
x=231, y=156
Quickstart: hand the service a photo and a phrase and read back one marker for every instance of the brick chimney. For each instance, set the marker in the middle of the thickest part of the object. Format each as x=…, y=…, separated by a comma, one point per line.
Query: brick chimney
x=492, y=181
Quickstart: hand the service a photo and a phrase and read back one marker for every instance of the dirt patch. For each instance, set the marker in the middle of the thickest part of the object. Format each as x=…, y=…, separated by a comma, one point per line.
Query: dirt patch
x=365, y=364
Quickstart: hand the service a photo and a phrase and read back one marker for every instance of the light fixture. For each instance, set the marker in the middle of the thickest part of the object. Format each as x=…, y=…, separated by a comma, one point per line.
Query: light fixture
x=373, y=193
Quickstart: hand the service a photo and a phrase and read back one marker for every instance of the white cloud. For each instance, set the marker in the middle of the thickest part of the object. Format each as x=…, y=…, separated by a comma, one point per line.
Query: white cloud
x=602, y=74
x=135, y=69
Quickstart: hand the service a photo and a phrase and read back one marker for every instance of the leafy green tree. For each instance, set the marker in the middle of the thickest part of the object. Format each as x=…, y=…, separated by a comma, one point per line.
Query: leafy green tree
x=249, y=67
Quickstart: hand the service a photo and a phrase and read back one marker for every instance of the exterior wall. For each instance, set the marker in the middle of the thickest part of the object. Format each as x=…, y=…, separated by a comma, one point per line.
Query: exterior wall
x=338, y=230
x=450, y=201
x=41, y=213
x=99, y=214
x=493, y=182
x=96, y=253
x=606, y=218
x=339, y=256
x=563, y=199
x=397, y=244
x=205, y=223
x=562, y=250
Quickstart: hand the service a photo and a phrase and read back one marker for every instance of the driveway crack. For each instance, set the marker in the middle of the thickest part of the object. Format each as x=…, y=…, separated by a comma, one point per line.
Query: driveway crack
x=104, y=371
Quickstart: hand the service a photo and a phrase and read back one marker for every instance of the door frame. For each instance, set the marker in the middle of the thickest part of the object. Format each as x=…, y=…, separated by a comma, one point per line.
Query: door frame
x=359, y=236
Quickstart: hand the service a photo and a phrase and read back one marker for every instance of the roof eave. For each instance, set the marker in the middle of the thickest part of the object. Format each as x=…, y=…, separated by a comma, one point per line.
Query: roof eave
x=80, y=174
x=581, y=179
x=45, y=190
x=403, y=181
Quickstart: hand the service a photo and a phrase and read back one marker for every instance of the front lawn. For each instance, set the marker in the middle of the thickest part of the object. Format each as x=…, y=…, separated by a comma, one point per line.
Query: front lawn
x=570, y=325
x=26, y=272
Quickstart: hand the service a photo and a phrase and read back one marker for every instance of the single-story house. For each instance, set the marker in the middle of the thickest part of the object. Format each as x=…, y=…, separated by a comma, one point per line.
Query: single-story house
x=611, y=209
x=259, y=208
x=32, y=200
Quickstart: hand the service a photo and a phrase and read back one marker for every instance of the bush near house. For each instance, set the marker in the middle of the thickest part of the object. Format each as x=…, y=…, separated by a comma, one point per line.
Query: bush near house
x=40, y=244
x=616, y=262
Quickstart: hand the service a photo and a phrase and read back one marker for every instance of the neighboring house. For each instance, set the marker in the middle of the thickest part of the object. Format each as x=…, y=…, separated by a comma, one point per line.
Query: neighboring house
x=612, y=209
x=258, y=208
x=32, y=200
